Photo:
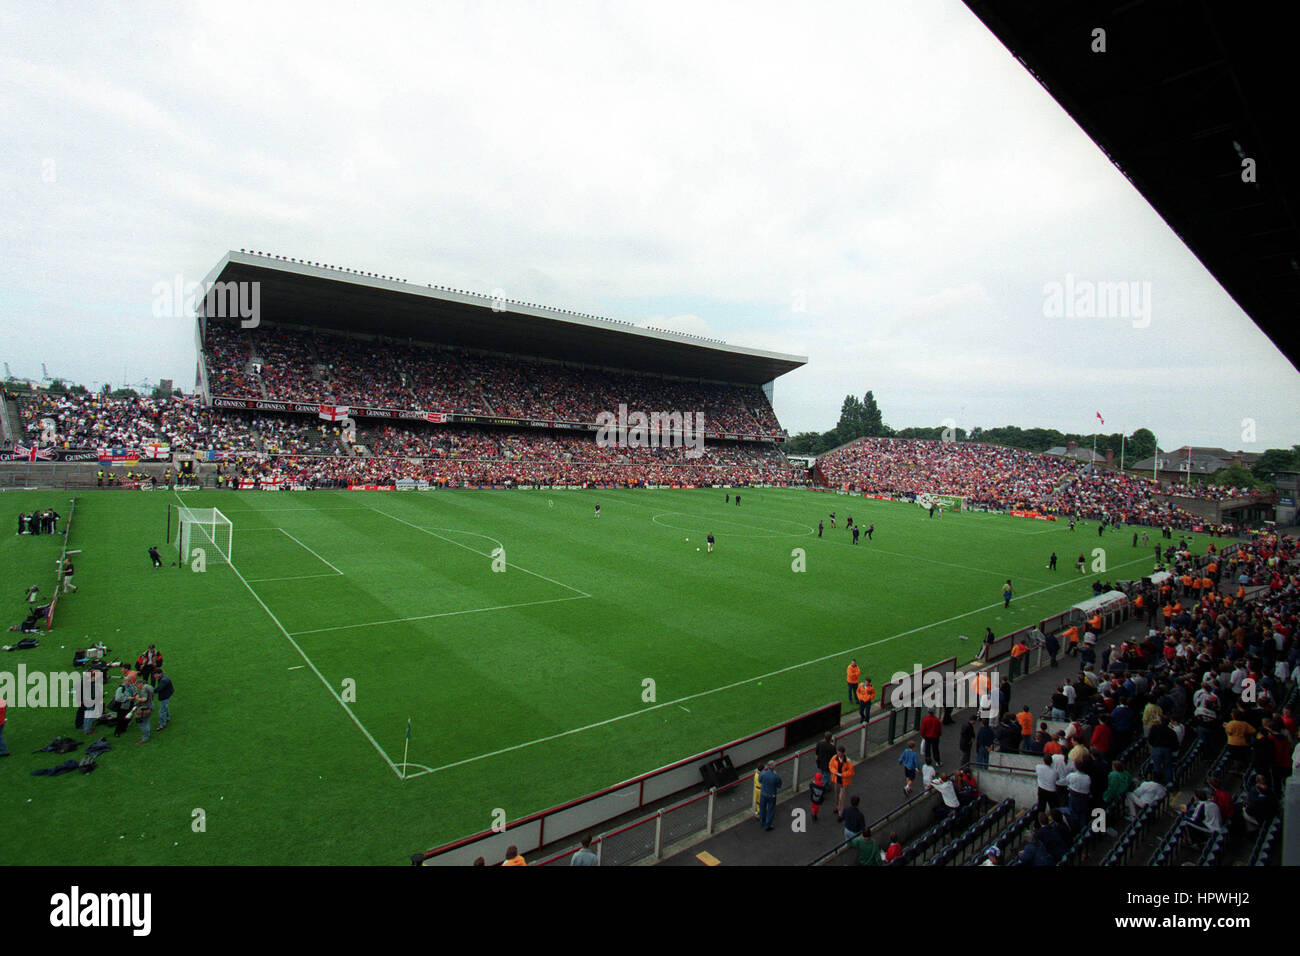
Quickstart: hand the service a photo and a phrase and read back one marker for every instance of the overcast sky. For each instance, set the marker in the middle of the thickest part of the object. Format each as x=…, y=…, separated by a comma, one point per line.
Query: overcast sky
x=878, y=186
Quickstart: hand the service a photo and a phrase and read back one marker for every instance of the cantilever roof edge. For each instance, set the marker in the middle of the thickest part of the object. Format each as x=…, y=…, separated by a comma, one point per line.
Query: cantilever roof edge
x=304, y=292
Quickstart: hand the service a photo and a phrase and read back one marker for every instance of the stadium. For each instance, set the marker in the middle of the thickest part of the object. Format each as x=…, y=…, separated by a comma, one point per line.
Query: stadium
x=523, y=585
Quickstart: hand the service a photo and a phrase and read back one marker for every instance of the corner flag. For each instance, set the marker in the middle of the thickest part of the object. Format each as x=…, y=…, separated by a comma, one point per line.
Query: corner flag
x=407, y=748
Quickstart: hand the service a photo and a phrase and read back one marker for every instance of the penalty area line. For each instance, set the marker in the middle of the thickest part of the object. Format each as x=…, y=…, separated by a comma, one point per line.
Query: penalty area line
x=567, y=587
x=308, y=661
x=427, y=617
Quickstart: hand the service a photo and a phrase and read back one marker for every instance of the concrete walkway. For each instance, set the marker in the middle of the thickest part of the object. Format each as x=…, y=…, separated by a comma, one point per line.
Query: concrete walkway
x=878, y=783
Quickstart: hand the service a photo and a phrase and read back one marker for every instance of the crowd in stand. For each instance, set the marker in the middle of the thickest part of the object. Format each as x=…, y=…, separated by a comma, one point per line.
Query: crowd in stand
x=1000, y=478
x=482, y=456
x=1217, y=672
x=83, y=420
x=286, y=364
x=296, y=450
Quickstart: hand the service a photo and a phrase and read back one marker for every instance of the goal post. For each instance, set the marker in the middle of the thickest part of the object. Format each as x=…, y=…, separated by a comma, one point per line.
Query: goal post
x=202, y=528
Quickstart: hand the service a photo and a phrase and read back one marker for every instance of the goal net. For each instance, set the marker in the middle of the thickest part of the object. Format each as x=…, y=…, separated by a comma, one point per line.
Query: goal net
x=943, y=502
x=205, y=528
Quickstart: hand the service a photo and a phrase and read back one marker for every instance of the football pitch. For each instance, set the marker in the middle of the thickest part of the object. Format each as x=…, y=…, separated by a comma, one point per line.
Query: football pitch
x=539, y=652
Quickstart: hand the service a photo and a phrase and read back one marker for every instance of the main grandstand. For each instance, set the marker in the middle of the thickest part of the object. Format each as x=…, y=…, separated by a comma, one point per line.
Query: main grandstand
x=452, y=388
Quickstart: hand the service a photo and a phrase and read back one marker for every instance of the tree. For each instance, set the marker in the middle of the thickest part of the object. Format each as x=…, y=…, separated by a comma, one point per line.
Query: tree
x=852, y=423
x=804, y=443
x=1275, y=460
x=1141, y=445
x=1235, y=476
x=873, y=421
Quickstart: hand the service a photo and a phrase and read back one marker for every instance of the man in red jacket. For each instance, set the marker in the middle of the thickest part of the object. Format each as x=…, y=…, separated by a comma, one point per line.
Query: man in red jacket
x=931, y=731
x=1101, y=736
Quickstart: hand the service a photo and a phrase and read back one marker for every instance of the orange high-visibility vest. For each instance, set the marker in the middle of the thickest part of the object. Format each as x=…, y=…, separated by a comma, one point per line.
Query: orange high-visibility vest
x=842, y=769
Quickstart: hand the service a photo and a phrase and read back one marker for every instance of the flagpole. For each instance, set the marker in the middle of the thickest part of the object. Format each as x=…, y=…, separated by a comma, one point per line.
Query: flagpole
x=406, y=749
x=1122, y=436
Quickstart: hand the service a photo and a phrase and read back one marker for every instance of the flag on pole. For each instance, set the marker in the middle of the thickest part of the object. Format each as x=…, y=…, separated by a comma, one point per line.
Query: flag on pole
x=1100, y=419
x=406, y=747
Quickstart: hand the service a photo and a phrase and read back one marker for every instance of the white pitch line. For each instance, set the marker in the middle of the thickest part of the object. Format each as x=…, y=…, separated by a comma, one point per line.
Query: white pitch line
x=567, y=587
x=297, y=667
x=741, y=683
x=426, y=617
x=296, y=577
x=307, y=660
x=301, y=545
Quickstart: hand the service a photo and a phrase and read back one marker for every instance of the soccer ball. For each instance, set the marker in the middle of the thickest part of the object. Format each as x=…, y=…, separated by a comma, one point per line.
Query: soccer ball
x=697, y=549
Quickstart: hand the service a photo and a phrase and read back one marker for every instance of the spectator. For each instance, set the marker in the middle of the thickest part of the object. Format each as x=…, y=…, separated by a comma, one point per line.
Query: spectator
x=948, y=791
x=585, y=856
x=1204, y=817
x=769, y=784
x=817, y=793
x=1046, y=773
x=841, y=768
x=854, y=821
x=1261, y=803
x=868, y=850
x=931, y=731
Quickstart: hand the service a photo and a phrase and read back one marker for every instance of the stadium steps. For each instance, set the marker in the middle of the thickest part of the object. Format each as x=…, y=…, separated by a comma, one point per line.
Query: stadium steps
x=974, y=839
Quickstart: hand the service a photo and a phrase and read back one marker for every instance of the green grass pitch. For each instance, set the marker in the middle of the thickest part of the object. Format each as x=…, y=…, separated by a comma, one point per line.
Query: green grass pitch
x=345, y=614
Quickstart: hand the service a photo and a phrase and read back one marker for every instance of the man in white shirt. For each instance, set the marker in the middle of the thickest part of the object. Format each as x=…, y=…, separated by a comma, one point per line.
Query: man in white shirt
x=1206, y=819
x=1079, y=785
x=1146, y=793
x=1046, y=774
x=1179, y=730
x=1238, y=678
x=944, y=787
x=1062, y=770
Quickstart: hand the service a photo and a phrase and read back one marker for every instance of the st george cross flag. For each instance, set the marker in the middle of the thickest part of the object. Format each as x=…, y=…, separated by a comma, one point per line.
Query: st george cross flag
x=332, y=413
x=1100, y=419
